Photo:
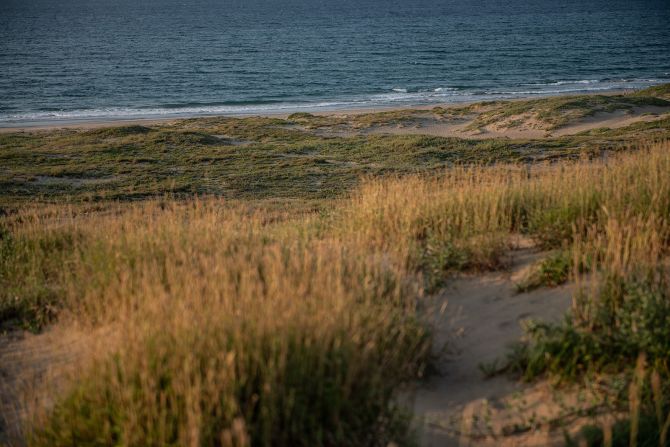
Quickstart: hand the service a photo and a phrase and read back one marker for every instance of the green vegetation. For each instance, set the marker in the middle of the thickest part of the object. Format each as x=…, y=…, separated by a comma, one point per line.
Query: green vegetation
x=357, y=121
x=261, y=158
x=549, y=272
x=29, y=291
x=647, y=421
x=625, y=318
x=658, y=91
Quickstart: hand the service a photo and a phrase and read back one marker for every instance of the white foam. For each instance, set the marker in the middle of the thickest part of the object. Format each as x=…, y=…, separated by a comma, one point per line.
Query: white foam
x=548, y=92
x=130, y=113
x=609, y=83
x=397, y=96
x=582, y=81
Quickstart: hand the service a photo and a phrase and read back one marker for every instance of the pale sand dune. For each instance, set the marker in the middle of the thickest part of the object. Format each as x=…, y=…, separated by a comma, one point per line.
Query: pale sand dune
x=481, y=318
x=613, y=120
x=530, y=129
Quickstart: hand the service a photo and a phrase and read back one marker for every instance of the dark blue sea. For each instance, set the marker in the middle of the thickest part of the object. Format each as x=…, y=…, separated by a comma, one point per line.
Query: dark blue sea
x=105, y=59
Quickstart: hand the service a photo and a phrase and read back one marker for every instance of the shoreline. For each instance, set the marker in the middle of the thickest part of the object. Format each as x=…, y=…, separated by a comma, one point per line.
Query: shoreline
x=96, y=122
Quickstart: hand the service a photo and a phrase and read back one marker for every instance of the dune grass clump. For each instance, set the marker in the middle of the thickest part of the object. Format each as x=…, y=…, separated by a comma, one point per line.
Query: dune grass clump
x=226, y=328
x=220, y=383
x=30, y=264
x=645, y=421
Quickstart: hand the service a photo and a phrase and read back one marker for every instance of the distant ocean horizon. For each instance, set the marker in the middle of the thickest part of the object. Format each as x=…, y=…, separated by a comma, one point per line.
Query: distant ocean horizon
x=100, y=60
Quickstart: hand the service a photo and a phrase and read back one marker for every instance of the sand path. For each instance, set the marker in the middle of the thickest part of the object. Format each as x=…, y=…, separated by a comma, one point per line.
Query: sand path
x=482, y=316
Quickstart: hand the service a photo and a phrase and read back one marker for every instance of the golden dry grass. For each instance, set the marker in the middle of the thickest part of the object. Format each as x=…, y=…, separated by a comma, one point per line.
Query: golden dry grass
x=225, y=326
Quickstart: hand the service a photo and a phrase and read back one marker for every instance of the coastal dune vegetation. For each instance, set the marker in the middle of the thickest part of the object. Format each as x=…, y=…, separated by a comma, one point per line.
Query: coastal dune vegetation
x=307, y=159
x=215, y=322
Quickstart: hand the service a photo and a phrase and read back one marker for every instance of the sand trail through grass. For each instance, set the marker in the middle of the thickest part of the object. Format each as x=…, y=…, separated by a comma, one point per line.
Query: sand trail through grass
x=483, y=316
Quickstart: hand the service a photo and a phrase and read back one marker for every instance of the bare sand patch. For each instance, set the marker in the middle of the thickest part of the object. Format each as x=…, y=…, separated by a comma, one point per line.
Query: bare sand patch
x=483, y=315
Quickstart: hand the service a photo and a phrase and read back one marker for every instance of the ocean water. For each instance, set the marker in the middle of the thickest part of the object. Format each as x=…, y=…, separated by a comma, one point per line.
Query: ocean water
x=105, y=59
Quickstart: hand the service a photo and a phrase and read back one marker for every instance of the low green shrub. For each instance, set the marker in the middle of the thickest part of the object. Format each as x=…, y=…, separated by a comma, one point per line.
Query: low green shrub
x=628, y=319
x=552, y=271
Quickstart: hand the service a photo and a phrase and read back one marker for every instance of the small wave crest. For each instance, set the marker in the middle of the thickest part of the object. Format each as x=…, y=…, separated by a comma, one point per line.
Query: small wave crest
x=581, y=81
